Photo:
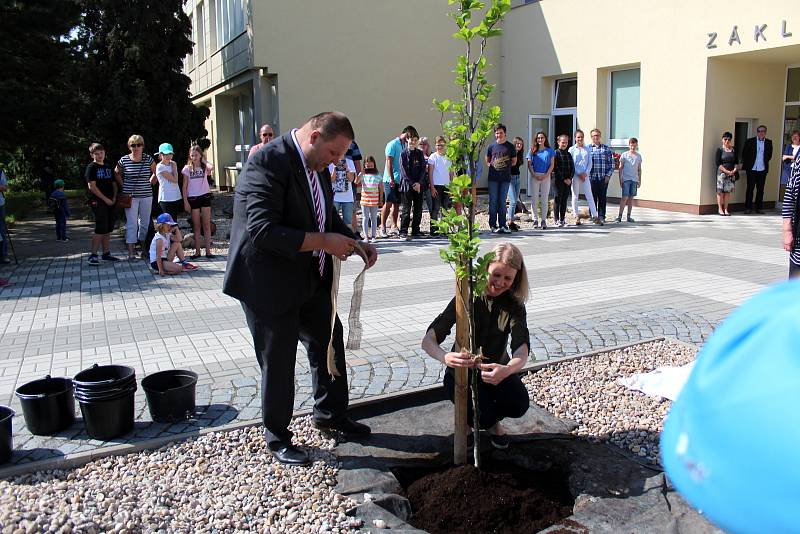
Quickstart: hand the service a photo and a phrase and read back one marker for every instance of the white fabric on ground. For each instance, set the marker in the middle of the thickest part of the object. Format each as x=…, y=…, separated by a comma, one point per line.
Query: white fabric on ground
x=664, y=382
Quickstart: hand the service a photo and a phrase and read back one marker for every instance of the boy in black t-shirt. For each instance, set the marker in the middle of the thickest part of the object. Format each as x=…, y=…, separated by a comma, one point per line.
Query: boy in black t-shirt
x=501, y=156
x=103, y=195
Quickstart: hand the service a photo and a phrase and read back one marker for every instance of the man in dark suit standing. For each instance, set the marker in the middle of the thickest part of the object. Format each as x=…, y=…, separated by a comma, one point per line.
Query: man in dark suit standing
x=756, y=154
x=283, y=235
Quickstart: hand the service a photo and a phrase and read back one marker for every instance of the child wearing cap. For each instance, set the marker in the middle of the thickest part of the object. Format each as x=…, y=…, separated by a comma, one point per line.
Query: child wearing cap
x=166, y=244
x=60, y=210
x=169, y=192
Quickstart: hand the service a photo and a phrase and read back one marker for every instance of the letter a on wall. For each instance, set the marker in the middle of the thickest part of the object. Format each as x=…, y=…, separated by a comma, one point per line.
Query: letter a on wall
x=734, y=38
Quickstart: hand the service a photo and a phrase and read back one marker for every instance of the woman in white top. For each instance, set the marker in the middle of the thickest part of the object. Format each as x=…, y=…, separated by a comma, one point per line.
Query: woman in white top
x=169, y=192
x=582, y=157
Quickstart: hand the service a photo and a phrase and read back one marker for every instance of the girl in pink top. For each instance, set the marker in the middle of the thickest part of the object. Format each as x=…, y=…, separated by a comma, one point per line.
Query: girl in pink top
x=197, y=198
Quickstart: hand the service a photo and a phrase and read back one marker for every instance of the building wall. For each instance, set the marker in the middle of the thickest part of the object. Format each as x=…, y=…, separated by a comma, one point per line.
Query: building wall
x=380, y=62
x=668, y=40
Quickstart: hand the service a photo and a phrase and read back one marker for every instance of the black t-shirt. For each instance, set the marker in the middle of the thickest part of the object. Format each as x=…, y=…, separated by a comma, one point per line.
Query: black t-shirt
x=103, y=175
x=500, y=156
x=518, y=164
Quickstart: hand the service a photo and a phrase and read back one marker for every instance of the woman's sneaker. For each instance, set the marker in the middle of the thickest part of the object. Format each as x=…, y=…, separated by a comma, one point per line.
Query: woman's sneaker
x=93, y=260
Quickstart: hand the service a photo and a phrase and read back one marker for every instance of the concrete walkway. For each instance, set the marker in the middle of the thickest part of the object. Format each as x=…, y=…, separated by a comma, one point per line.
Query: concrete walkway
x=592, y=287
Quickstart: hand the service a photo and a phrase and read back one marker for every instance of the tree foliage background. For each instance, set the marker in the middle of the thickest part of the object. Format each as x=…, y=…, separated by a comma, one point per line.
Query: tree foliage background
x=79, y=71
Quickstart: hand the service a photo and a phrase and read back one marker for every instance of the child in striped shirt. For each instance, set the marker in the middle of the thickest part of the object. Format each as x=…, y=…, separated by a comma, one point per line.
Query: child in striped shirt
x=370, y=182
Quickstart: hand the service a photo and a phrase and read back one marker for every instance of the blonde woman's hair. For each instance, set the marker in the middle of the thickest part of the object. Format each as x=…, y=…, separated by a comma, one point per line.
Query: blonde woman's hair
x=510, y=255
x=190, y=163
x=135, y=138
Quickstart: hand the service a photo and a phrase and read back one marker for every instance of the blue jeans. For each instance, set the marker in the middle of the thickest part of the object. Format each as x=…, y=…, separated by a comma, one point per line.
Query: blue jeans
x=61, y=226
x=513, y=197
x=3, y=232
x=498, y=191
x=346, y=209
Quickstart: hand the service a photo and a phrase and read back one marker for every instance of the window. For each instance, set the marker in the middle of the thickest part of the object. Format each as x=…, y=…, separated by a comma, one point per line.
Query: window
x=566, y=94
x=624, y=105
x=212, y=23
x=230, y=20
x=200, y=33
x=793, y=85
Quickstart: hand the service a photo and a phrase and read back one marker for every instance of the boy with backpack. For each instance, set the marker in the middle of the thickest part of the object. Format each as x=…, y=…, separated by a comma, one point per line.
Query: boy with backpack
x=60, y=210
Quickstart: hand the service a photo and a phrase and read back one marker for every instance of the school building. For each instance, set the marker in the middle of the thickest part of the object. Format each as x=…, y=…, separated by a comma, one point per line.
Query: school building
x=676, y=75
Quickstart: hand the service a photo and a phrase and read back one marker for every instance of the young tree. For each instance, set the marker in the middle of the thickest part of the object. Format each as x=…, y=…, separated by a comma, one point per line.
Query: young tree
x=132, y=79
x=471, y=121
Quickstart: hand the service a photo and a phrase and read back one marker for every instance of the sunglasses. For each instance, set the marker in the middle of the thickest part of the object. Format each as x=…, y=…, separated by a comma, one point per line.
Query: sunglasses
x=267, y=135
x=136, y=145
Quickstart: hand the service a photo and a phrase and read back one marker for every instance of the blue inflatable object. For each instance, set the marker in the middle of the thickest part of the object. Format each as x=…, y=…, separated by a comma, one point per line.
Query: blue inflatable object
x=731, y=442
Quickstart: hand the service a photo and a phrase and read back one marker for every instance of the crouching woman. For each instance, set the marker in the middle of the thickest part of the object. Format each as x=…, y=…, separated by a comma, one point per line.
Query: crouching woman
x=499, y=315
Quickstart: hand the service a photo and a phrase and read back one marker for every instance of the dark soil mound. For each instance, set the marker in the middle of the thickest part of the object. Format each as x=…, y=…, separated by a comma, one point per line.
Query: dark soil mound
x=497, y=499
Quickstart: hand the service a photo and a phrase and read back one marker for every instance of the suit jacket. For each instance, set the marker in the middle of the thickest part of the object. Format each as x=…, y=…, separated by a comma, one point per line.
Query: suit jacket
x=272, y=211
x=749, y=154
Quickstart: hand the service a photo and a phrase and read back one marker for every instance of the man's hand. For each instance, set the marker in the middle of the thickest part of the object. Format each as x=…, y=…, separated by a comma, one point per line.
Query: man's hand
x=338, y=245
x=416, y=187
x=607, y=178
x=372, y=253
x=434, y=193
x=583, y=177
x=568, y=181
x=494, y=373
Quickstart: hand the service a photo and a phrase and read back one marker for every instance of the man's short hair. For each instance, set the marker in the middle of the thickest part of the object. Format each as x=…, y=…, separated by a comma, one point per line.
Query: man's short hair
x=332, y=124
x=633, y=140
x=95, y=147
x=410, y=131
x=265, y=126
x=500, y=126
x=760, y=127
x=439, y=139
x=596, y=130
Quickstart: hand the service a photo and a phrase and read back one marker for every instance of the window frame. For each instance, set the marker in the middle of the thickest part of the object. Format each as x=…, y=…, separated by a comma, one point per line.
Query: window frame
x=556, y=83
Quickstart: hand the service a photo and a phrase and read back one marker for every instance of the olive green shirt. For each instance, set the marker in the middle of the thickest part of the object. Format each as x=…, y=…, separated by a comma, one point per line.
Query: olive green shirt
x=495, y=320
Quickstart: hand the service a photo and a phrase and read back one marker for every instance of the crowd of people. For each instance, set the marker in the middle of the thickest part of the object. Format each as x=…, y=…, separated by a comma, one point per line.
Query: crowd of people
x=133, y=185
x=414, y=176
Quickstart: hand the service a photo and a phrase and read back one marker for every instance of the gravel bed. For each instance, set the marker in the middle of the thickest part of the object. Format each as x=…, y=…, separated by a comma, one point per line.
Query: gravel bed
x=586, y=390
x=220, y=482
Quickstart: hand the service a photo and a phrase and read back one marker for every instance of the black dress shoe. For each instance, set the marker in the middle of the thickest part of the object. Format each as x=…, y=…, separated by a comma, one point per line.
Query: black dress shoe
x=345, y=425
x=289, y=455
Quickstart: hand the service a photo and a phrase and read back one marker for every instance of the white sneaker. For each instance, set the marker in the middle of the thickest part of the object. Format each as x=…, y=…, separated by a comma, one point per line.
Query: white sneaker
x=381, y=233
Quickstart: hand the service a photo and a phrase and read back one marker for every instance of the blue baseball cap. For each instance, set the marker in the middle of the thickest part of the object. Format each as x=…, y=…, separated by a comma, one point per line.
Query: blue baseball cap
x=165, y=218
x=165, y=148
x=731, y=442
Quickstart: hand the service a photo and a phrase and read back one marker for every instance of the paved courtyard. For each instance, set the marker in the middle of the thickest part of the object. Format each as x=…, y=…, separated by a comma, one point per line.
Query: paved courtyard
x=592, y=287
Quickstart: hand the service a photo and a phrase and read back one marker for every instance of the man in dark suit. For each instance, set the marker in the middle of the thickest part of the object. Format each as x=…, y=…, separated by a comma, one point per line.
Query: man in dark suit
x=283, y=235
x=756, y=154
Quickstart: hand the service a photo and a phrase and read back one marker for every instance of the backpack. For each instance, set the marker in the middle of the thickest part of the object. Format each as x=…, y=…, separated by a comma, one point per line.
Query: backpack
x=53, y=206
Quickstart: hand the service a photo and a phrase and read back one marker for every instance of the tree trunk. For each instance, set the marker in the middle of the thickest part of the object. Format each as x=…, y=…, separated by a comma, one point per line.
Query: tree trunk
x=461, y=379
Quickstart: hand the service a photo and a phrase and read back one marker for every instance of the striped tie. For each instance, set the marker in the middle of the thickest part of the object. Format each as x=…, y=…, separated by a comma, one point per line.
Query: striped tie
x=315, y=192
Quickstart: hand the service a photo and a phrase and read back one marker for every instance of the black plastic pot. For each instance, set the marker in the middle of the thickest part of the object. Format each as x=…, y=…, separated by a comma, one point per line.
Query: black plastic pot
x=170, y=395
x=47, y=405
x=101, y=377
x=6, y=435
x=106, y=397
x=108, y=419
